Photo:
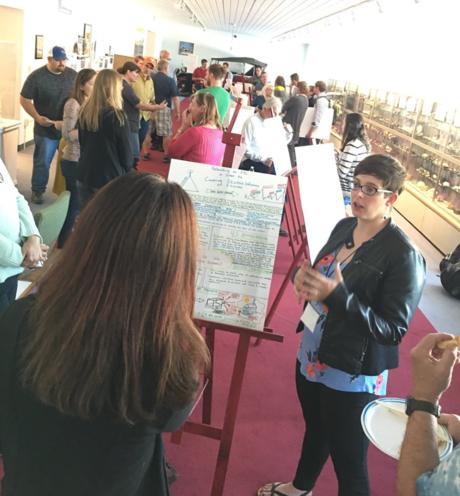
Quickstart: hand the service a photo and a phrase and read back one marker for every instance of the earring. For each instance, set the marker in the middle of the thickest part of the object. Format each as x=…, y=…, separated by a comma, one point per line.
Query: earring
x=385, y=217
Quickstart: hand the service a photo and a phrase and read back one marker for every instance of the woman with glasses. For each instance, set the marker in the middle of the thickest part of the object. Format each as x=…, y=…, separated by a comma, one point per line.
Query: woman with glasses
x=361, y=294
x=355, y=147
x=106, y=356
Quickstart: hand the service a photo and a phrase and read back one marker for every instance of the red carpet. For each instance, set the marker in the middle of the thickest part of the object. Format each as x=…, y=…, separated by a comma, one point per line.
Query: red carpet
x=269, y=427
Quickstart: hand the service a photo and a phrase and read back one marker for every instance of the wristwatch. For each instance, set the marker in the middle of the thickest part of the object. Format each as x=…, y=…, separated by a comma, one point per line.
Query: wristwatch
x=413, y=405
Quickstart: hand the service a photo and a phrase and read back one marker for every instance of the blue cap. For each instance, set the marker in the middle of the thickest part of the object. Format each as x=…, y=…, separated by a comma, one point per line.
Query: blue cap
x=57, y=53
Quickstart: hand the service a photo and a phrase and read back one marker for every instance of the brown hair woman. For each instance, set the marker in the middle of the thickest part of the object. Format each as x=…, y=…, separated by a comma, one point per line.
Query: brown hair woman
x=106, y=356
x=201, y=143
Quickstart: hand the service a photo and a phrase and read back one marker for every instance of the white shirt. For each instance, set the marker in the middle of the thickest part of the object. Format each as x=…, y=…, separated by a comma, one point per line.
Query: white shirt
x=321, y=105
x=256, y=139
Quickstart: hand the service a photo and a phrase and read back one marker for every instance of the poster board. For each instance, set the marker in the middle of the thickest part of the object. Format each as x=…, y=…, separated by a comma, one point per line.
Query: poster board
x=239, y=215
x=323, y=131
x=276, y=142
x=243, y=115
x=192, y=62
x=320, y=193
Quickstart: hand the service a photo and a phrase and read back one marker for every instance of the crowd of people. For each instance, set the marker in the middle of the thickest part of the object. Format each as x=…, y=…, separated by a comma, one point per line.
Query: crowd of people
x=106, y=357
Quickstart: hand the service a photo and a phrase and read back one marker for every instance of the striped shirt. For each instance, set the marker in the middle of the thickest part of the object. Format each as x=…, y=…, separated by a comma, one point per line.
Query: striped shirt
x=352, y=154
x=321, y=105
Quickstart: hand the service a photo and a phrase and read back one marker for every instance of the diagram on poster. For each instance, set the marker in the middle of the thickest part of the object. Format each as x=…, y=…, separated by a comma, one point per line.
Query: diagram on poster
x=239, y=214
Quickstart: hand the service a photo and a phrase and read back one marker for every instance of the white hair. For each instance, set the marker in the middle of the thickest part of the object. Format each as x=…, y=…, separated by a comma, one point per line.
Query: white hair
x=271, y=102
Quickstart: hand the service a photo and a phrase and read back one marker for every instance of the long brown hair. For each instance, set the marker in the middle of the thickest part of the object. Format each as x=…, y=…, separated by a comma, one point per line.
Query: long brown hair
x=211, y=111
x=106, y=94
x=81, y=79
x=113, y=322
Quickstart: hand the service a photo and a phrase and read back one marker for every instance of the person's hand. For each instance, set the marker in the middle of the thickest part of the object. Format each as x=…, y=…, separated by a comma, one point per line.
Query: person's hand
x=310, y=132
x=58, y=125
x=452, y=423
x=432, y=367
x=44, y=248
x=176, y=115
x=310, y=285
x=44, y=121
x=162, y=105
x=31, y=251
x=268, y=162
x=187, y=120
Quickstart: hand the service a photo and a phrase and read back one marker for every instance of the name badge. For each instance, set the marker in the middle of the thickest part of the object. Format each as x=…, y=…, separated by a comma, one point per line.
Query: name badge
x=310, y=317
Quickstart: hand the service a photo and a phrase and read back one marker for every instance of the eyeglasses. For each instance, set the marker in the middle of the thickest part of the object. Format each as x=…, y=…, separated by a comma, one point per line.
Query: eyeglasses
x=368, y=190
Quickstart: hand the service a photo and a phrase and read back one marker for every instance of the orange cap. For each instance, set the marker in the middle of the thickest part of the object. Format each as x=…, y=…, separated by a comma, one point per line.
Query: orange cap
x=149, y=60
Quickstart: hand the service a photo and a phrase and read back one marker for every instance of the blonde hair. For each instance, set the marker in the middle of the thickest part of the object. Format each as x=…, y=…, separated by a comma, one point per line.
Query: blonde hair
x=211, y=112
x=106, y=94
x=265, y=88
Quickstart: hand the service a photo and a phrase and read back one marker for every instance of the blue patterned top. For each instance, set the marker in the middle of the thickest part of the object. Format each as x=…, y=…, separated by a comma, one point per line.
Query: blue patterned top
x=445, y=478
x=315, y=371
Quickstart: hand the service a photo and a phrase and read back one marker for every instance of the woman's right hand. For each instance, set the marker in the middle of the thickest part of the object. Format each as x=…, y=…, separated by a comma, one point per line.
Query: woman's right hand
x=186, y=119
x=163, y=105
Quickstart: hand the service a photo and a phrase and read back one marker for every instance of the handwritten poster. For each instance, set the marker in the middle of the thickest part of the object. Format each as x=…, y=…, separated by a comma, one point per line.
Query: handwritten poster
x=239, y=215
x=320, y=193
x=323, y=131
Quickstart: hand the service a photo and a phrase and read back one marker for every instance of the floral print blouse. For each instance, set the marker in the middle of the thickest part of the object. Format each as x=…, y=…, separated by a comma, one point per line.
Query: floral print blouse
x=307, y=355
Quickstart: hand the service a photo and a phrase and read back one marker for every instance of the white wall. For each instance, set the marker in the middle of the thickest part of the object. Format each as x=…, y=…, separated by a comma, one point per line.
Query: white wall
x=407, y=49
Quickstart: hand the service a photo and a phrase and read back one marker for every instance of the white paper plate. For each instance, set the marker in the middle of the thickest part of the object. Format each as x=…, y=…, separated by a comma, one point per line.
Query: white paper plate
x=386, y=429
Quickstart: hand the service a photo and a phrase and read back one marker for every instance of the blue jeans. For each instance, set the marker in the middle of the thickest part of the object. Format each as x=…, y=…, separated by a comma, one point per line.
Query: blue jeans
x=8, y=292
x=45, y=148
x=69, y=171
x=143, y=132
x=135, y=148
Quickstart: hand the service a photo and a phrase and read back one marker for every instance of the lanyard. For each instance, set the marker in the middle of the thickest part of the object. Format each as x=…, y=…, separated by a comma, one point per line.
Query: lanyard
x=329, y=269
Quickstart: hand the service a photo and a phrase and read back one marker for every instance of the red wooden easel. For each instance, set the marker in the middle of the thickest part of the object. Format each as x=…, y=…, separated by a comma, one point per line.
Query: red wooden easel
x=204, y=428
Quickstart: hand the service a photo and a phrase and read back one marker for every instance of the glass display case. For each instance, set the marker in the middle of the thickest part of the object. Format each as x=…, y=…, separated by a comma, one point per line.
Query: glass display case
x=351, y=91
x=405, y=113
x=453, y=142
x=433, y=125
x=424, y=136
x=383, y=107
x=384, y=141
x=365, y=103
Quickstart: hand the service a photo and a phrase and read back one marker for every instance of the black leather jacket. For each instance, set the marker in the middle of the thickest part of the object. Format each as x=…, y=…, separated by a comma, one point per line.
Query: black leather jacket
x=370, y=311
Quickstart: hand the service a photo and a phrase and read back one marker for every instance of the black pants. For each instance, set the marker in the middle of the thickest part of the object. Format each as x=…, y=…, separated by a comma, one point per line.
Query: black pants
x=258, y=166
x=8, y=292
x=333, y=427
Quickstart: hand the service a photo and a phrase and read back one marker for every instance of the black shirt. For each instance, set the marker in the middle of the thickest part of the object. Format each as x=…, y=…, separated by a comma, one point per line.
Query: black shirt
x=165, y=88
x=130, y=100
x=46, y=453
x=48, y=92
x=105, y=154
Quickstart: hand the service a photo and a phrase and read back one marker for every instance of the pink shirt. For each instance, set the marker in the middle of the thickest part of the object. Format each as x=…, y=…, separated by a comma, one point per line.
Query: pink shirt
x=198, y=144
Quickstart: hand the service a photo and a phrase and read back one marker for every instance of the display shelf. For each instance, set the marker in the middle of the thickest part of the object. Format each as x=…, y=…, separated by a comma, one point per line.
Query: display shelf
x=424, y=136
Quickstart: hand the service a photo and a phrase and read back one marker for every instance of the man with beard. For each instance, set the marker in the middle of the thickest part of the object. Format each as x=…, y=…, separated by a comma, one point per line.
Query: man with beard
x=42, y=97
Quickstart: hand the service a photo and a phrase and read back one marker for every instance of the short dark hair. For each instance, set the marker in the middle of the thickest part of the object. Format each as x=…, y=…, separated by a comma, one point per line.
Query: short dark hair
x=216, y=70
x=203, y=60
x=226, y=64
x=295, y=77
x=258, y=67
x=384, y=167
x=263, y=73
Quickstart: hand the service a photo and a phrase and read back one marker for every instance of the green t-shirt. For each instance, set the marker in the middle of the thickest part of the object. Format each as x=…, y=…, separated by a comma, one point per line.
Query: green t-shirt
x=222, y=98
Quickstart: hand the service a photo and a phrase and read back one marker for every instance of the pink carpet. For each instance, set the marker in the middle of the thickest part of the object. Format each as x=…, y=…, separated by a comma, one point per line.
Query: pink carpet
x=269, y=427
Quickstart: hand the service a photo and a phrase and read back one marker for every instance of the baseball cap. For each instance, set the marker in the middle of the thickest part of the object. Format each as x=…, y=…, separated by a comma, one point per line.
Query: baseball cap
x=130, y=66
x=57, y=53
x=150, y=60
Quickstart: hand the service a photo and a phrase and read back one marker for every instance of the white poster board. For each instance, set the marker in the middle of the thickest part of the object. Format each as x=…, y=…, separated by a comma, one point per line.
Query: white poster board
x=243, y=116
x=276, y=141
x=192, y=62
x=323, y=131
x=320, y=193
x=239, y=215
